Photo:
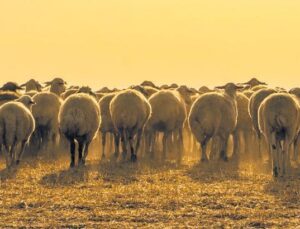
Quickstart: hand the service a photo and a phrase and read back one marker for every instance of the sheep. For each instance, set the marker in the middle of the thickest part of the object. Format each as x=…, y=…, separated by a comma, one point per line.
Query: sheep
x=129, y=111
x=254, y=82
x=213, y=115
x=254, y=103
x=16, y=126
x=168, y=116
x=104, y=90
x=32, y=85
x=279, y=122
x=84, y=89
x=45, y=112
x=244, y=127
x=57, y=86
x=11, y=86
x=145, y=90
x=147, y=83
x=258, y=87
x=248, y=93
x=106, y=125
x=6, y=96
x=204, y=89
x=79, y=119
x=69, y=92
x=296, y=92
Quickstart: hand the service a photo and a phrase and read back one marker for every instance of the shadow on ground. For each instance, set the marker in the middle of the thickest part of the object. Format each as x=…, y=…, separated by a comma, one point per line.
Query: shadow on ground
x=286, y=190
x=66, y=177
x=214, y=171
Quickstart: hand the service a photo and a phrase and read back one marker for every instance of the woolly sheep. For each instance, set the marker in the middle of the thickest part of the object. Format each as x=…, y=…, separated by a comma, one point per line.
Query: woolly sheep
x=168, y=116
x=11, y=86
x=254, y=82
x=6, y=96
x=106, y=125
x=79, y=120
x=147, y=83
x=248, y=93
x=129, y=111
x=84, y=89
x=244, y=127
x=57, y=86
x=16, y=127
x=296, y=92
x=278, y=118
x=45, y=112
x=32, y=85
x=259, y=87
x=213, y=115
x=254, y=103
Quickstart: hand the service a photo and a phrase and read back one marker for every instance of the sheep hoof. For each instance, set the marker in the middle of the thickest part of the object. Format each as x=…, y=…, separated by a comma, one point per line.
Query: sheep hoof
x=275, y=172
x=72, y=164
x=124, y=155
x=225, y=158
x=82, y=162
x=133, y=158
x=17, y=162
x=204, y=160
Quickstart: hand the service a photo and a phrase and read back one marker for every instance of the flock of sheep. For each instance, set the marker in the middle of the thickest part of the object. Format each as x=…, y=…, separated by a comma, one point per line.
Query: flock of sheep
x=144, y=115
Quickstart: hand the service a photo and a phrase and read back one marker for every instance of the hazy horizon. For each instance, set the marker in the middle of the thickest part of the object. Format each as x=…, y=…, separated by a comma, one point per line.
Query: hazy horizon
x=119, y=43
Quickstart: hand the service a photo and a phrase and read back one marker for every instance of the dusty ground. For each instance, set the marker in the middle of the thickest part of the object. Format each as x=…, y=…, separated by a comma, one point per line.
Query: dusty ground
x=48, y=194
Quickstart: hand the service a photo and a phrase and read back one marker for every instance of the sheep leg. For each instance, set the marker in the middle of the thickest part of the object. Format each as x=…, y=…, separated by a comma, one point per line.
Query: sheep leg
x=138, y=142
x=110, y=142
x=124, y=144
x=296, y=148
x=203, y=149
x=273, y=147
x=7, y=157
x=180, y=145
x=236, y=145
x=86, y=152
x=147, y=136
x=72, y=151
x=286, y=158
x=117, y=144
x=80, y=151
x=133, y=156
x=223, y=153
x=164, y=140
x=23, y=144
x=12, y=154
x=103, y=146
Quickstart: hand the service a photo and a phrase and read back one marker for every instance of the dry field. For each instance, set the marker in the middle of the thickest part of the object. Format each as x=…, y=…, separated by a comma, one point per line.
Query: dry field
x=45, y=193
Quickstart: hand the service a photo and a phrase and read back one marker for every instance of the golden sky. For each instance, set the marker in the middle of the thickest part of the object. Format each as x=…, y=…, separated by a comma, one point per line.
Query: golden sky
x=122, y=42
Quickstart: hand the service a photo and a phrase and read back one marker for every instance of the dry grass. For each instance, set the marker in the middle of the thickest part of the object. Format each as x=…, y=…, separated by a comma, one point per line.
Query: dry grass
x=48, y=194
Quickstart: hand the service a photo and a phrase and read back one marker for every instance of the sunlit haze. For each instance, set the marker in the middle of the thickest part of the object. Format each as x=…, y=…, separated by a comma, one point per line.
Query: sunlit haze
x=117, y=43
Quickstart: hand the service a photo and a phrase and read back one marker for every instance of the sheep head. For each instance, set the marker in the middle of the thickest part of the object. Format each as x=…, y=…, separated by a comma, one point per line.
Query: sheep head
x=26, y=100
x=140, y=89
x=57, y=86
x=87, y=90
x=11, y=86
x=254, y=82
x=295, y=91
x=230, y=88
x=149, y=84
x=32, y=85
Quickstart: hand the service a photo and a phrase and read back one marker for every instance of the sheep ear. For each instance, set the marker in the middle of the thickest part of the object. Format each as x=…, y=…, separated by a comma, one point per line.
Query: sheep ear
x=220, y=87
x=23, y=85
x=19, y=87
x=48, y=83
x=239, y=87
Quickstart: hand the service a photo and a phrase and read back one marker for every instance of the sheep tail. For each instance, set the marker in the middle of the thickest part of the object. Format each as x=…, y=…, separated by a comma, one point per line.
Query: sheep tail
x=280, y=121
